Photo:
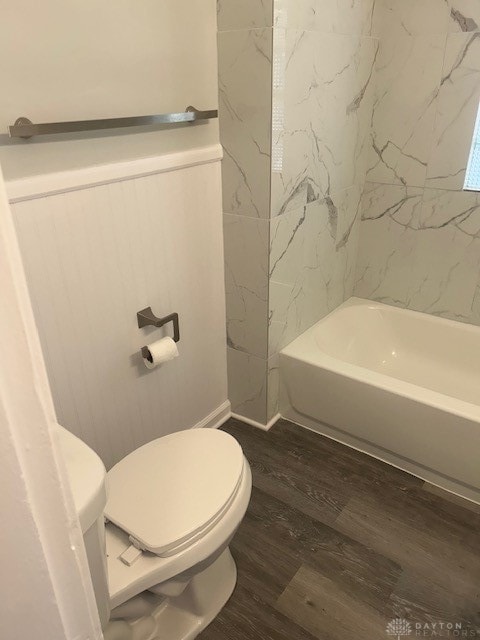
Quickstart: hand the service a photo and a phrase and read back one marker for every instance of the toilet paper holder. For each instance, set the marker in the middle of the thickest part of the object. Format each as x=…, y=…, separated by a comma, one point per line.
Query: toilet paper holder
x=146, y=318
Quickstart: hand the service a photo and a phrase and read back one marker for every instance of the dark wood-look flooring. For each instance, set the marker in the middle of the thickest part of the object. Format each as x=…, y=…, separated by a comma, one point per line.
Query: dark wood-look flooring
x=336, y=544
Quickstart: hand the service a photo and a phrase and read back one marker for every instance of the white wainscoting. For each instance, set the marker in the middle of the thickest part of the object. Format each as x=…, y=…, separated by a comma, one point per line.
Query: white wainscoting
x=98, y=246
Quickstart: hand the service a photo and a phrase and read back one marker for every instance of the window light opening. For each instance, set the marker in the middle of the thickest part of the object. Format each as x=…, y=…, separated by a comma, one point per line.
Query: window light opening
x=472, y=178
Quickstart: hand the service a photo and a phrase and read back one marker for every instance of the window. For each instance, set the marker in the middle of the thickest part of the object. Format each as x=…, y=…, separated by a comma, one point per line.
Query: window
x=472, y=179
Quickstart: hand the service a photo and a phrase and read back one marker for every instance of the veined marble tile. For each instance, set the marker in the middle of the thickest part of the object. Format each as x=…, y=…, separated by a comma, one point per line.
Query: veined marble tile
x=408, y=75
x=458, y=101
x=247, y=385
x=301, y=242
x=445, y=287
x=459, y=209
x=352, y=17
x=455, y=216
x=247, y=14
x=362, y=107
x=400, y=203
x=348, y=241
x=393, y=18
x=322, y=93
x=386, y=248
x=312, y=263
x=420, y=251
x=245, y=60
x=288, y=306
x=464, y=15
x=273, y=386
x=287, y=242
x=246, y=283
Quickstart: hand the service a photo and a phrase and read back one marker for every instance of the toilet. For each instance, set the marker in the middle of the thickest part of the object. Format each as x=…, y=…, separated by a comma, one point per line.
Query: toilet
x=156, y=529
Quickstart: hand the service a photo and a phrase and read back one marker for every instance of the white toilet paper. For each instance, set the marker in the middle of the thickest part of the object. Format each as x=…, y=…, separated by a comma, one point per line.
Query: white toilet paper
x=161, y=351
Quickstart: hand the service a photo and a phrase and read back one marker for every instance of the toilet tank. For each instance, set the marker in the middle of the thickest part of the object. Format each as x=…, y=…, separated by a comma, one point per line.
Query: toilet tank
x=87, y=476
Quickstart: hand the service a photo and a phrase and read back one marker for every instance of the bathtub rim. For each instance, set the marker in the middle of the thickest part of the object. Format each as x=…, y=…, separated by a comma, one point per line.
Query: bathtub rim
x=302, y=347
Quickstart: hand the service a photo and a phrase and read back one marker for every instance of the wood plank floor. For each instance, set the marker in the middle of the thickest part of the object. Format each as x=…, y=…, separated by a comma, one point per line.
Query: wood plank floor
x=336, y=544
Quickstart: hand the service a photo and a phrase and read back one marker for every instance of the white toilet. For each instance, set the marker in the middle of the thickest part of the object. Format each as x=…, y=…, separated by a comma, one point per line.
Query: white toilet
x=158, y=547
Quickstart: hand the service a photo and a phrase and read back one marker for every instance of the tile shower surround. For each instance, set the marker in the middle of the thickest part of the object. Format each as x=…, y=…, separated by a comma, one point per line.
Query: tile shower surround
x=420, y=232
x=321, y=102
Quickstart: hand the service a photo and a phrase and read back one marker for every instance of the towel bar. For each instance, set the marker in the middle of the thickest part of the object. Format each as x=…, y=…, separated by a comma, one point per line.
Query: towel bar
x=24, y=128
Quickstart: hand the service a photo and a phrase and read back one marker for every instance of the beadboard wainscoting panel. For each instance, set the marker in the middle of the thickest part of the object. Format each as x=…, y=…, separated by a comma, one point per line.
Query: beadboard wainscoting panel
x=94, y=257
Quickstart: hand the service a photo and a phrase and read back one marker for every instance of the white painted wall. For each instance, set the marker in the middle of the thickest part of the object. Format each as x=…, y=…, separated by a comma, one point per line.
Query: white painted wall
x=44, y=581
x=94, y=257
x=86, y=59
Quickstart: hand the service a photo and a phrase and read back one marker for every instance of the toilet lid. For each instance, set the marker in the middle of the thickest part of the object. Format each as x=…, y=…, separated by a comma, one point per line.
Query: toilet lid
x=170, y=490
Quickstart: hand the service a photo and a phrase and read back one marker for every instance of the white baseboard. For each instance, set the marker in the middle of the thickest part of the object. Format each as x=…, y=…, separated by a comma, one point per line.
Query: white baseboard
x=254, y=423
x=215, y=419
x=218, y=417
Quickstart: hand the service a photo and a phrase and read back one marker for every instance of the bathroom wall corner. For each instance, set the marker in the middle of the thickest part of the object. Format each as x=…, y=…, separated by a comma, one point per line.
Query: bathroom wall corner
x=247, y=382
x=245, y=41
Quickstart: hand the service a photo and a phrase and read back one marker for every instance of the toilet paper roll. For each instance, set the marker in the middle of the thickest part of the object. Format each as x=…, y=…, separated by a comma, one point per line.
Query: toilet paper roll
x=161, y=351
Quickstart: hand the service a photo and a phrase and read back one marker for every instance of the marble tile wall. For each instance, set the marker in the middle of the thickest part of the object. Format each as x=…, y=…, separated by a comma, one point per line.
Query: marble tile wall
x=324, y=55
x=245, y=40
x=296, y=98
x=420, y=232
x=346, y=126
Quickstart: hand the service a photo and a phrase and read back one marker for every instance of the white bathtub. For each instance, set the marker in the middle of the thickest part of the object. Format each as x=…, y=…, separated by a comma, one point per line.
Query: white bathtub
x=399, y=385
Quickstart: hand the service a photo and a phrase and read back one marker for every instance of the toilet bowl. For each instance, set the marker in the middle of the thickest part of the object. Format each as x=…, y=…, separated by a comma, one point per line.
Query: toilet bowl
x=158, y=547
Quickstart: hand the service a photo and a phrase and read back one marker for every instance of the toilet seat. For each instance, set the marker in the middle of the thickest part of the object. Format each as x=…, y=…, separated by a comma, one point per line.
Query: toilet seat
x=126, y=581
x=169, y=493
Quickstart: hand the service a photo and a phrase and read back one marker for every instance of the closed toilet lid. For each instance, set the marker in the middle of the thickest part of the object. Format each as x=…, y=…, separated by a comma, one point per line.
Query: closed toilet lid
x=169, y=491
